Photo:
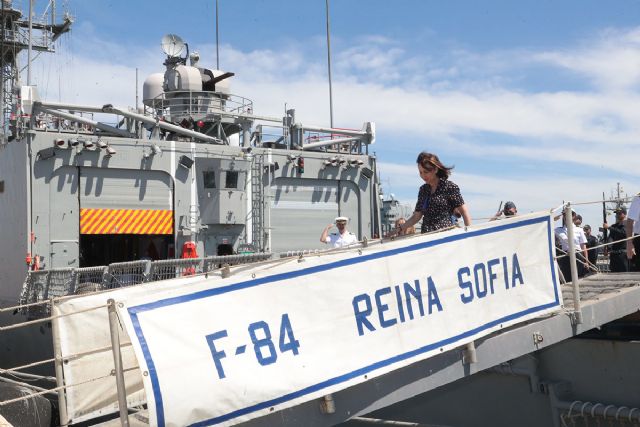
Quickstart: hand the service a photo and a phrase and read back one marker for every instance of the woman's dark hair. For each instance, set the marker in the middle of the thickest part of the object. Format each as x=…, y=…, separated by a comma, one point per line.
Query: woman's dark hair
x=428, y=161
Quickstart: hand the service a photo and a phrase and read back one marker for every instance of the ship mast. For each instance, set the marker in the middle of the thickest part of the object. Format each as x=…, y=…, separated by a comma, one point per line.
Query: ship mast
x=618, y=196
x=329, y=65
x=19, y=34
x=217, y=33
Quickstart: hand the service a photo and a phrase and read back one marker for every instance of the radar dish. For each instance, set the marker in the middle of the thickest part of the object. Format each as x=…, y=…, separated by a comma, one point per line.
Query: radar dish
x=172, y=45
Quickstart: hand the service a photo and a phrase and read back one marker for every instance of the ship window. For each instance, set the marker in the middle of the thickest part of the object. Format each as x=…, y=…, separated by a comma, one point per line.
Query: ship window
x=1, y=186
x=231, y=179
x=209, y=178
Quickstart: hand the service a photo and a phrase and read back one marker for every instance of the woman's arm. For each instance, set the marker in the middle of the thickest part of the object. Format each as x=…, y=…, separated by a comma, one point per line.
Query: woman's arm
x=462, y=210
x=413, y=219
x=410, y=222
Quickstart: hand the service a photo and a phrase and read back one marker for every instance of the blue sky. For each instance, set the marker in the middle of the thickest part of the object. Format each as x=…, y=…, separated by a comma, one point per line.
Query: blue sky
x=532, y=101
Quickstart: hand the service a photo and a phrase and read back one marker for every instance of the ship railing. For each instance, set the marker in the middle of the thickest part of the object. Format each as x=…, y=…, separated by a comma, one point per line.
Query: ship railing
x=602, y=264
x=299, y=253
x=328, y=140
x=176, y=105
x=270, y=136
x=48, y=122
x=20, y=35
x=43, y=285
x=50, y=288
x=335, y=142
x=34, y=384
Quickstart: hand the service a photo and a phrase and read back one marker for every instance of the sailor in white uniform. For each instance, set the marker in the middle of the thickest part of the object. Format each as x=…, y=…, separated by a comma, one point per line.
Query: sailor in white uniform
x=340, y=239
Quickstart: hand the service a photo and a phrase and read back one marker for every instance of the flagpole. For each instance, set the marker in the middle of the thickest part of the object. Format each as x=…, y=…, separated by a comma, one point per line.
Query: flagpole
x=329, y=66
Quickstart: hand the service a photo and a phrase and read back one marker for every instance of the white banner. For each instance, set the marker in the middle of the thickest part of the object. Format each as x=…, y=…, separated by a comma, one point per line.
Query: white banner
x=85, y=345
x=222, y=352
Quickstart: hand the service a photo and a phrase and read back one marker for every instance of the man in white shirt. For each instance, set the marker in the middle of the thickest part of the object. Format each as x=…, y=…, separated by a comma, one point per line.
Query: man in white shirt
x=580, y=243
x=340, y=239
x=632, y=227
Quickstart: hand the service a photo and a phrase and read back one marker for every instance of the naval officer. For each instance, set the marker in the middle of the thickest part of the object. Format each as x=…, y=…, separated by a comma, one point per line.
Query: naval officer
x=340, y=239
x=618, y=262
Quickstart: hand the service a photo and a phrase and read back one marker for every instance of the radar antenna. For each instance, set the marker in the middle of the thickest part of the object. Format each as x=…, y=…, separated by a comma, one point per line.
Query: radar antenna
x=172, y=45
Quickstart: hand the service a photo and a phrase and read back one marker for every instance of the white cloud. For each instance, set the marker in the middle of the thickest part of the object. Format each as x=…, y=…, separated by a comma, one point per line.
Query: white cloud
x=456, y=101
x=371, y=89
x=612, y=60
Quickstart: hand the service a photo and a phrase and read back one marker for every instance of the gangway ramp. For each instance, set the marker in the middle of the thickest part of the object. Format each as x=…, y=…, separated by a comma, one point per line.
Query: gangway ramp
x=605, y=298
x=322, y=338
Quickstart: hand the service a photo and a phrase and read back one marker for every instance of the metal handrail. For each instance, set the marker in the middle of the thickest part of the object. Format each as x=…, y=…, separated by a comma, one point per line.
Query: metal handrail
x=194, y=103
x=43, y=285
x=577, y=308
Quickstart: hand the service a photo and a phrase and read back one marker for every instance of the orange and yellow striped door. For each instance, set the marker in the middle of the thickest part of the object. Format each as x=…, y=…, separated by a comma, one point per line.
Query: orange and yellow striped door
x=126, y=221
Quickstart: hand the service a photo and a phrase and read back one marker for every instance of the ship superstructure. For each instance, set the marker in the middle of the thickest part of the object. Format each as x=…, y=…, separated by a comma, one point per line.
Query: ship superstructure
x=194, y=173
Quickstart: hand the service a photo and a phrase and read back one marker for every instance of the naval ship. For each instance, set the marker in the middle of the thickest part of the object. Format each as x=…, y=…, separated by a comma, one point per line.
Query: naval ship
x=109, y=199
x=195, y=173
x=97, y=197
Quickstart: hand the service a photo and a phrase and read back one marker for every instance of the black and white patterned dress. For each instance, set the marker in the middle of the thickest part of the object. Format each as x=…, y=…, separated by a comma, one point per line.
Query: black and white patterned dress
x=437, y=208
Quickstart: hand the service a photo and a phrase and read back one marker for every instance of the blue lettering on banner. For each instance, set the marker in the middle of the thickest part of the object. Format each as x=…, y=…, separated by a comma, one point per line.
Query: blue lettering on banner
x=362, y=305
x=481, y=281
x=417, y=295
x=363, y=308
x=361, y=315
x=260, y=343
x=492, y=275
x=476, y=282
x=505, y=272
x=217, y=355
x=385, y=323
x=484, y=277
x=465, y=284
x=432, y=295
x=517, y=273
x=286, y=333
x=399, y=303
x=263, y=346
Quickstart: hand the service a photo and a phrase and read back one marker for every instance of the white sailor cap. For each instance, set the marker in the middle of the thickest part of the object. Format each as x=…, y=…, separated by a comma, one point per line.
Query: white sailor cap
x=342, y=218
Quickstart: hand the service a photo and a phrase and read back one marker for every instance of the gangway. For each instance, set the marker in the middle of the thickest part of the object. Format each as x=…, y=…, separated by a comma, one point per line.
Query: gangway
x=533, y=345
x=605, y=297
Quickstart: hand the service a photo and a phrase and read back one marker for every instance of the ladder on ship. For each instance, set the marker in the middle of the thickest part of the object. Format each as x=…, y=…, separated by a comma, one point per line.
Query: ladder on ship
x=257, y=204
